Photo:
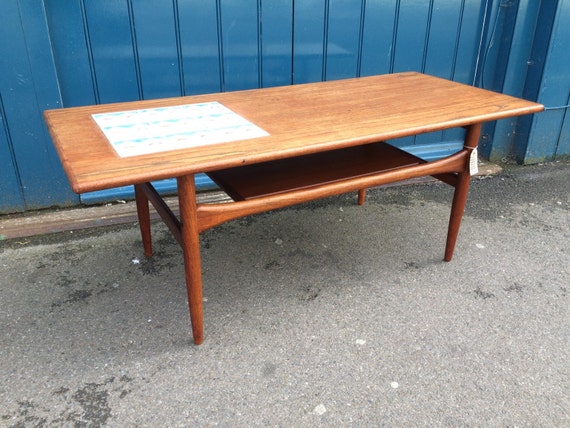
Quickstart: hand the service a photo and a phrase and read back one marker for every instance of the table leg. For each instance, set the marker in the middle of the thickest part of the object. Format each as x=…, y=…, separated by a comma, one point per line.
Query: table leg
x=461, y=191
x=143, y=213
x=191, y=250
x=457, y=208
x=361, y=196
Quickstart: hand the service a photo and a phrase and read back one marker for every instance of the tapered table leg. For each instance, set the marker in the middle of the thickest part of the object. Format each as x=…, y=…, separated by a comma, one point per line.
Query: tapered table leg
x=143, y=213
x=191, y=250
x=461, y=191
x=457, y=208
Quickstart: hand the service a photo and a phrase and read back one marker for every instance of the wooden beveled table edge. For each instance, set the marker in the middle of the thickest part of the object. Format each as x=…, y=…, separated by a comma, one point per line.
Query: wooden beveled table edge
x=375, y=107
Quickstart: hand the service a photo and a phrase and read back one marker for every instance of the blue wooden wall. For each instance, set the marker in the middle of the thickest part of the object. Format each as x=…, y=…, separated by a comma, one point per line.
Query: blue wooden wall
x=30, y=172
x=77, y=52
x=107, y=50
x=547, y=136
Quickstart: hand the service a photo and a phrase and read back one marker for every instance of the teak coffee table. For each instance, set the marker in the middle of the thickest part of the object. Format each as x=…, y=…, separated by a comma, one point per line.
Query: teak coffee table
x=323, y=139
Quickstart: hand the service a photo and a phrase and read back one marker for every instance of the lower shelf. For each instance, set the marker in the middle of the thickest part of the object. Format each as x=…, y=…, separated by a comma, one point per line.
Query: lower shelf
x=302, y=172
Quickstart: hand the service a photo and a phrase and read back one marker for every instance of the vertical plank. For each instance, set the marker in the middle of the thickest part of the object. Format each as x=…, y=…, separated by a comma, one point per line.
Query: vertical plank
x=411, y=34
x=504, y=131
x=46, y=95
x=499, y=36
x=68, y=41
x=240, y=44
x=308, y=54
x=545, y=133
x=276, y=43
x=156, y=44
x=563, y=146
x=377, y=48
x=200, y=46
x=27, y=87
x=444, y=31
x=11, y=192
x=40, y=58
x=112, y=51
x=533, y=82
x=470, y=34
x=343, y=38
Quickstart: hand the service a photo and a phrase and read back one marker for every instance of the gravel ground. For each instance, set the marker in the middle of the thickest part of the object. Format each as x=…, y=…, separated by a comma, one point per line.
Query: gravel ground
x=325, y=314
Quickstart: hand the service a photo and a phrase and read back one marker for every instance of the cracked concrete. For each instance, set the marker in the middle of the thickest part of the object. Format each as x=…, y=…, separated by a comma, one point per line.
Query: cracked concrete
x=324, y=314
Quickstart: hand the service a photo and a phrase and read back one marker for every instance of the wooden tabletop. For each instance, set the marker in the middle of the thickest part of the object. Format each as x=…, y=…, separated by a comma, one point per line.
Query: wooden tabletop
x=300, y=119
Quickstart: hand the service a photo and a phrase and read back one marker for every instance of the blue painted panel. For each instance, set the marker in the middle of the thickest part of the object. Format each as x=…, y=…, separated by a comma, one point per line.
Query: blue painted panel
x=343, y=45
x=472, y=23
x=199, y=38
x=499, y=45
x=444, y=34
x=35, y=33
x=563, y=147
x=308, y=54
x=27, y=87
x=112, y=51
x=546, y=132
x=515, y=79
x=377, y=49
x=411, y=35
x=494, y=58
x=46, y=96
x=240, y=44
x=277, y=43
x=11, y=194
x=65, y=21
x=157, y=45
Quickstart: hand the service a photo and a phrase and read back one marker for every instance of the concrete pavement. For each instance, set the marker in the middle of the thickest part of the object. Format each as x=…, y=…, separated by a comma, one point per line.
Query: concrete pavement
x=325, y=314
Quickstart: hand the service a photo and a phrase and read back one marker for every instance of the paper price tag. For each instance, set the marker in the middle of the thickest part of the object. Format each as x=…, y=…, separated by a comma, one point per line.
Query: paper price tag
x=473, y=162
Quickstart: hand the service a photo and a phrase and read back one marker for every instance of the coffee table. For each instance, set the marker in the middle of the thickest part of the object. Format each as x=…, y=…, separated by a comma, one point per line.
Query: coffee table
x=313, y=141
